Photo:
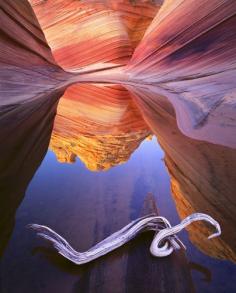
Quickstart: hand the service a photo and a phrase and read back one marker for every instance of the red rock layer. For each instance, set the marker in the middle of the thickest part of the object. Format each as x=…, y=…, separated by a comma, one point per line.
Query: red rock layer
x=136, y=16
x=81, y=33
x=202, y=175
x=98, y=123
x=188, y=52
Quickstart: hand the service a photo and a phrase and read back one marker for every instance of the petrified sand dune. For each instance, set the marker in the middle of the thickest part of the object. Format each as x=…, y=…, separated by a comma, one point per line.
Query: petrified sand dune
x=98, y=123
x=202, y=175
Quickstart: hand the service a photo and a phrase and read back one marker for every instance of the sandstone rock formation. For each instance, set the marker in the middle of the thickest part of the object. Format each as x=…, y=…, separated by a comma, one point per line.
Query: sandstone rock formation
x=81, y=33
x=98, y=123
x=30, y=85
x=198, y=232
x=188, y=53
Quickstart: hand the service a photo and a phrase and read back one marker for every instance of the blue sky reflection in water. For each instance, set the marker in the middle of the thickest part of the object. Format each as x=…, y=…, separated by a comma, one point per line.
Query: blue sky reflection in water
x=80, y=204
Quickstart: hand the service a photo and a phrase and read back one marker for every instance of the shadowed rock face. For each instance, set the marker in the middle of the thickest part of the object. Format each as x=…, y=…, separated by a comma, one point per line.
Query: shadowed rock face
x=202, y=175
x=98, y=123
x=198, y=233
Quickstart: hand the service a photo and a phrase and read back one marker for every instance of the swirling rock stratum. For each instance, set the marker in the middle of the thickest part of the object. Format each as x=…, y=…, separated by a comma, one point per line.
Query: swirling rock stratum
x=81, y=33
x=189, y=54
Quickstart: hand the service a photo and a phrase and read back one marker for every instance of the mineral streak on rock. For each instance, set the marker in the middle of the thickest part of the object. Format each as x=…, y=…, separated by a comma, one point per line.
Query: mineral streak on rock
x=202, y=175
x=98, y=123
x=81, y=33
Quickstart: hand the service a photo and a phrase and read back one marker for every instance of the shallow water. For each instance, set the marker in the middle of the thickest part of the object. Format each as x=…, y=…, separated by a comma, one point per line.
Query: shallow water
x=86, y=202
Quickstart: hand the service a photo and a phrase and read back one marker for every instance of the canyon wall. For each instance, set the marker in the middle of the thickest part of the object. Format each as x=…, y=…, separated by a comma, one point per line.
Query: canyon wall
x=176, y=62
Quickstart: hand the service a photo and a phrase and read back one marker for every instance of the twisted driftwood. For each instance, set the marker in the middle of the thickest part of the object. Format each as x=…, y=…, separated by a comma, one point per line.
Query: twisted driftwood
x=163, y=244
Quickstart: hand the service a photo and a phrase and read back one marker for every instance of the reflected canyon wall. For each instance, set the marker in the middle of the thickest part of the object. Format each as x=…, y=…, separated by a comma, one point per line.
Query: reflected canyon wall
x=100, y=124
x=25, y=131
x=202, y=175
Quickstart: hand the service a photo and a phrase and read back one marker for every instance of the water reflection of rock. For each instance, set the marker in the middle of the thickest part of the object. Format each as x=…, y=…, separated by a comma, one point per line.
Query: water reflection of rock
x=202, y=176
x=25, y=131
x=98, y=123
x=29, y=78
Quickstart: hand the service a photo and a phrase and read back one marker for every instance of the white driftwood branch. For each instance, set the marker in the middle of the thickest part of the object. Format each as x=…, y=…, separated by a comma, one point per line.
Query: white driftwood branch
x=163, y=244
